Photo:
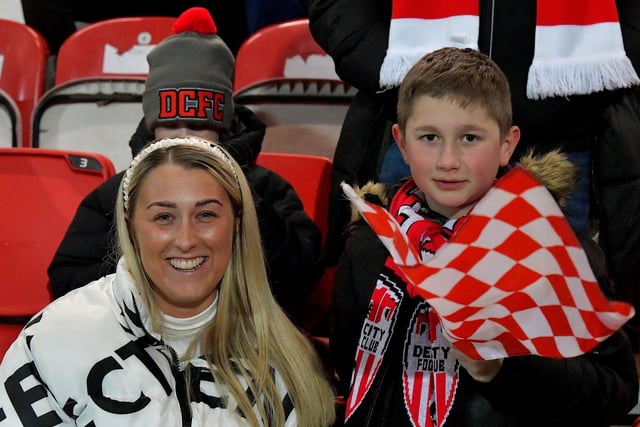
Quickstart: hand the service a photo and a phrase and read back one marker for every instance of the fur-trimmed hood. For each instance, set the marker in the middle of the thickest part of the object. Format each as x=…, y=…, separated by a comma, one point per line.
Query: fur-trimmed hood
x=553, y=169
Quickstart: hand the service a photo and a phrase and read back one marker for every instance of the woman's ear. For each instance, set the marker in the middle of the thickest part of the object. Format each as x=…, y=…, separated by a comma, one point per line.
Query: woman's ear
x=398, y=136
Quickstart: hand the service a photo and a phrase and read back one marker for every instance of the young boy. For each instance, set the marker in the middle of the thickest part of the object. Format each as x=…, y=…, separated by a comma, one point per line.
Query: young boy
x=455, y=132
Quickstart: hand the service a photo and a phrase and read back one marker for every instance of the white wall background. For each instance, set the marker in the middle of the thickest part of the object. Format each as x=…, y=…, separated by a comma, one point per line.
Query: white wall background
x=12, y=10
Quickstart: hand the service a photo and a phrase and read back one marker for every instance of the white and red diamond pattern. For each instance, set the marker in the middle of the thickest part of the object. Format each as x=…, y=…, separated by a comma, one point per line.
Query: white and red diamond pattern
x=513, y=280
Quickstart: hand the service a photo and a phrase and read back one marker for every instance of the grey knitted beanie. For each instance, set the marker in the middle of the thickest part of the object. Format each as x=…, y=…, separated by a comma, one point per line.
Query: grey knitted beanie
x=190, y=75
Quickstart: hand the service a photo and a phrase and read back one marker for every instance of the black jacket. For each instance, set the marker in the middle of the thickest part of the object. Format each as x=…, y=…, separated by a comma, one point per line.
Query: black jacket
x=290, y=238
x=595, y=389
x=355, y=34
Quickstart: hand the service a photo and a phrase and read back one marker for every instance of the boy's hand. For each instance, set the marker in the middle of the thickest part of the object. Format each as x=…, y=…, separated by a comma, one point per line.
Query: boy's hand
x=480, y=370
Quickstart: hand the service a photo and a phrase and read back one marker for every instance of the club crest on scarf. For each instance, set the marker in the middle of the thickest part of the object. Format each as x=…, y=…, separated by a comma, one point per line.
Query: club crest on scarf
x=430, y=375
x=374, y=340
x=430, y=372
x=512, y=280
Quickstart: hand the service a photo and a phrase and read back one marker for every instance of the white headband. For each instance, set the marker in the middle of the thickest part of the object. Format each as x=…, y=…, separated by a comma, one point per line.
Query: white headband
x=165, y=143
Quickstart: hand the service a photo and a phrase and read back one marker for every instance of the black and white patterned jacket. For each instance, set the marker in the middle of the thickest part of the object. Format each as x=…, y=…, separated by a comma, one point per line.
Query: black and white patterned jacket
x=88, y=359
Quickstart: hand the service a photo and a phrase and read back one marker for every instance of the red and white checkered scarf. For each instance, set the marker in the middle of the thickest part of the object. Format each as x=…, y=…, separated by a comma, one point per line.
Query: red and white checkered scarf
x=512, y=278
x=578, y=43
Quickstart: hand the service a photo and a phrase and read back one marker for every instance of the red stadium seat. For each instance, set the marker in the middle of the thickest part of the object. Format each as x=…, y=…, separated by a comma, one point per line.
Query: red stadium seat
x=286, y=78
x=22, y=85
x=114, y=48
x=41, y=190
x=96, y=101
x=310, y=177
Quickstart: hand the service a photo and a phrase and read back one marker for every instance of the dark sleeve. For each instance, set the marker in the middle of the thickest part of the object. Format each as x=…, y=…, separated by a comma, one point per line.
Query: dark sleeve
x=245, y=143
x=617, y=170
x=355, y=34
x=290, y=238
x=593, y=389
x=355, y=278
x=629, y=15
x=85, y=253
x=141, y=137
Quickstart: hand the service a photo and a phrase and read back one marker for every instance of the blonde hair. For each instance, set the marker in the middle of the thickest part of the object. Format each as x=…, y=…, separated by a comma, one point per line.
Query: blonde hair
x=250, y=333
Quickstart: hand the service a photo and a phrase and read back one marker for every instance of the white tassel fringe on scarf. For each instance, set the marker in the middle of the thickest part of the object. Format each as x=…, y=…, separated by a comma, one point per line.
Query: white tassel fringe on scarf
x=578, y=43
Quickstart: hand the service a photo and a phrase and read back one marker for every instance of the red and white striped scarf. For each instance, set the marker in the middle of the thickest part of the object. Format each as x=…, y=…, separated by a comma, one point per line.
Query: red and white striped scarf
x=414, y=217
x=578, y=43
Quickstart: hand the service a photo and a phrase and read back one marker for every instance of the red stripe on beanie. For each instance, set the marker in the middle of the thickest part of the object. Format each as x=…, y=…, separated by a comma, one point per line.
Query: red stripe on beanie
x=575, y=12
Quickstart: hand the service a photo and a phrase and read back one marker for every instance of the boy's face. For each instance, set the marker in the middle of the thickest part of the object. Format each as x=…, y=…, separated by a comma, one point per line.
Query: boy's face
x=182, y=129
x=453, y=153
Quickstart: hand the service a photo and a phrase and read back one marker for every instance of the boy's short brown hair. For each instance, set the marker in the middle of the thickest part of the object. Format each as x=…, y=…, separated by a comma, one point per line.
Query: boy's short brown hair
x=465, y=76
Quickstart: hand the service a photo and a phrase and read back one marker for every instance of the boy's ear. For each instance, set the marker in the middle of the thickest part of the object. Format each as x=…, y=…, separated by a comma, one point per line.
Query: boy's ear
x=398, y=136
x=509, y=144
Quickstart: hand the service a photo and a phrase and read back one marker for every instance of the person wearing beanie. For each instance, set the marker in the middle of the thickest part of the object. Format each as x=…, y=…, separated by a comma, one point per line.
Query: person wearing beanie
x=188, y=92
x=190, y=76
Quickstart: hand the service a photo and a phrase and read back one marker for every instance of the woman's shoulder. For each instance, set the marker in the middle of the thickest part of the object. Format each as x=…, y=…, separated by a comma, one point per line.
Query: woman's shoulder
x=82, y=309
x=71, y=333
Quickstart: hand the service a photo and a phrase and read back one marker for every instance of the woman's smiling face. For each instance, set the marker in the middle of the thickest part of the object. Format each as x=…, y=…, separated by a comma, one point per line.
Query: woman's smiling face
x=184, y=224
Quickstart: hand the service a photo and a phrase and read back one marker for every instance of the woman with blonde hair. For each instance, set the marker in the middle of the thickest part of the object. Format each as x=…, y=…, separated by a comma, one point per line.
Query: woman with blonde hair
x=186, y=332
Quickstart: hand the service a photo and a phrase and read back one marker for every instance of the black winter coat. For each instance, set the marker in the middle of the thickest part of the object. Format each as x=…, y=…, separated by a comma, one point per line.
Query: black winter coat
x=355, y=34
x=291, y=240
